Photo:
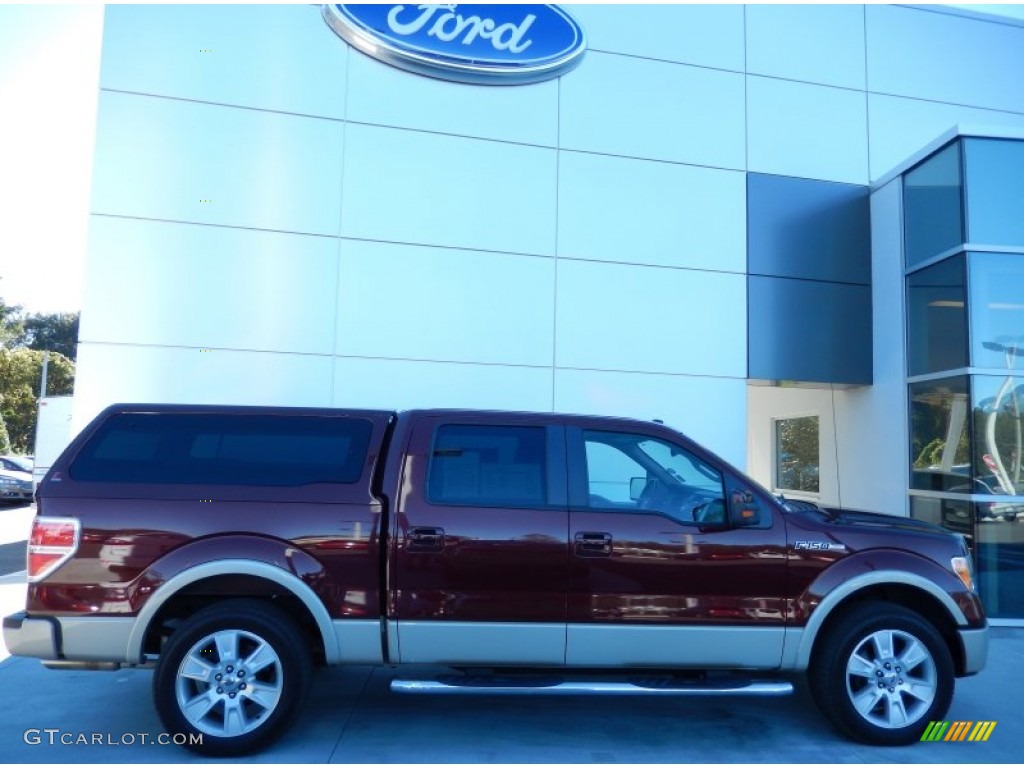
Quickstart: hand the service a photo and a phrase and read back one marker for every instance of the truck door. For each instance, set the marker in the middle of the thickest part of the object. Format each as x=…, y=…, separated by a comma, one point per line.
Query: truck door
x=675, y=560
x=480, y=543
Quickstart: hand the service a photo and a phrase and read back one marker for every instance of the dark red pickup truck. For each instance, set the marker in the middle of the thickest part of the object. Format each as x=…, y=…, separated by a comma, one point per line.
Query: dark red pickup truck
x=236, y=548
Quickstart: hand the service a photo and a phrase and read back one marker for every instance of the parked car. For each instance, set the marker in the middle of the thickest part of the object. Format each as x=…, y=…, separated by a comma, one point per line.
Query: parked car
x=529, y=552
x=15, y=486
x=988, y=510
x=16, y=463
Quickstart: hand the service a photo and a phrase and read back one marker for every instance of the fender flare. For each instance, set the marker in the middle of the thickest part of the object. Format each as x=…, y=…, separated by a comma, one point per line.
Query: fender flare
x=796, y=653
x=283, y=578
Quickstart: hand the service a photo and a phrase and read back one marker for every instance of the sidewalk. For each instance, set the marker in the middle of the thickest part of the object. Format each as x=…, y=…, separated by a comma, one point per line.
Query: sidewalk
x=16, y=523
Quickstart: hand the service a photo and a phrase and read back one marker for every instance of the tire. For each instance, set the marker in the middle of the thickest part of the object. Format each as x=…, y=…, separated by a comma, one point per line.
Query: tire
x=881, y=673
x=265, y=670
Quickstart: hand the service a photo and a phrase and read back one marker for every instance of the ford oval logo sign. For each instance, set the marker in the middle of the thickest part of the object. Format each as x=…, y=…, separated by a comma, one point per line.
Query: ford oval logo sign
x=490, y=44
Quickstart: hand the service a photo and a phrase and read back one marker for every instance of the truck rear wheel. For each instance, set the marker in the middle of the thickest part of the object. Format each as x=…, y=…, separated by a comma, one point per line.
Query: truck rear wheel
x=231, y=678
x=881, y=674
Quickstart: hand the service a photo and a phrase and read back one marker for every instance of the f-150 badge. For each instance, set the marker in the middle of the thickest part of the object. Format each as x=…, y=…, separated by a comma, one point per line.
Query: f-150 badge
x=819, y=546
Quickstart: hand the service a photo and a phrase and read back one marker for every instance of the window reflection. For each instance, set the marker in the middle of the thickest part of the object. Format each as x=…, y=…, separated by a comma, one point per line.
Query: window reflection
x=797, y=458
x=995, y=188
x=952, y=514
x=998, y=403
x=999, y=560
x=940, y=453
x=937, y=317
x=997, y=310
x=933, y=214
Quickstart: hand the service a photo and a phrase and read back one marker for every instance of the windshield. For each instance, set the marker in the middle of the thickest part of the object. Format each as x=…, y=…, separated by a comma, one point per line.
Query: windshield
x=20, y=464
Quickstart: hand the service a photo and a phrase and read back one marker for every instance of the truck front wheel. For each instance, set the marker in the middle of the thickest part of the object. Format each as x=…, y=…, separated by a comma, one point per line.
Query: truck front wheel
x=881, y=673
x=231, y=678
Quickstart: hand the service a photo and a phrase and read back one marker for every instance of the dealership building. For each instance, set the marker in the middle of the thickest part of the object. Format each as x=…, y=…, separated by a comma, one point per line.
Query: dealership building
x=795, y=233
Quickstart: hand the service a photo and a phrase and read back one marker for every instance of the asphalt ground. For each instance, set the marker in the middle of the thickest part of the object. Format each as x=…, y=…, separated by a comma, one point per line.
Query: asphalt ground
x=352, y=717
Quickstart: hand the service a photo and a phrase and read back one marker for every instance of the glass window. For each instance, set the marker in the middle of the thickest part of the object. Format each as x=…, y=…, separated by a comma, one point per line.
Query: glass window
x=952, y=514
x=995, y=191
x=220, y=449
x=997, y=310
x=627, y=472
x=937, y=318
x=999, y=557
x=932, y=210
x=488, y=466
x=797, y=459
x=995, y=530
x=998, y=404
x=940, y=456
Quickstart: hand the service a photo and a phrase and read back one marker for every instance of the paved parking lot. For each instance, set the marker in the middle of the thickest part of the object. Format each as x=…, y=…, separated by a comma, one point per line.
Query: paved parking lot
x=352, y=717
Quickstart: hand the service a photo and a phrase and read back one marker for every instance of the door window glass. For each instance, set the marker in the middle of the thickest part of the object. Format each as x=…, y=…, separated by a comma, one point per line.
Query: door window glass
x=638, y=473
x=488, y=466
x=797, y=460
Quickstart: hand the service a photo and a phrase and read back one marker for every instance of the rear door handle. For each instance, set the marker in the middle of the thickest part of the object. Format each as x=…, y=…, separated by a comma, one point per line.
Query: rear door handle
x=426, y=539
x=593, y=544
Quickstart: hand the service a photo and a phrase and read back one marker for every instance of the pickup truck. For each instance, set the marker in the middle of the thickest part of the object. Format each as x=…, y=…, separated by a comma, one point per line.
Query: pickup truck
x=235, y=549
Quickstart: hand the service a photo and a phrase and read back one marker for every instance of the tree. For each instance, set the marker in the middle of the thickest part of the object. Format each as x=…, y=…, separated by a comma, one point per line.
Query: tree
x=20, y=372
x=5, y=441
x=11, y=329
x=798, y=454
x=56, y=333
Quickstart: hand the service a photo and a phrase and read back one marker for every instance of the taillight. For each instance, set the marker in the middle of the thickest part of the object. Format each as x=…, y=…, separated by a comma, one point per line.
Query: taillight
x=53, y=541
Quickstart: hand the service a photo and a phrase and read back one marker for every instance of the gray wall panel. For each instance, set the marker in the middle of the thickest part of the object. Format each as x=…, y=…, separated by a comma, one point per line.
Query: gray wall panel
x=803, y=330
x=815, y=230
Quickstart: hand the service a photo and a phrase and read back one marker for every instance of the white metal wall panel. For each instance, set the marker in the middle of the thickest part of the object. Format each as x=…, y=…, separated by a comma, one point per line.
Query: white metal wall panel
x=370, y=383
x=812, y=131
x=710, y=410
x=384, y=95
x=811, y=43
x=411, y=187
x=111, y=373
x=280, y=57
x=900, y=127
x=621, y=105
x=709, y=35
x=764, y=406
x=444, y=304
x=439, y=190
x=652, y=319
x=161, y=283
x=643, y=212
x=940, y=57
x=183, y=161
x=872, y=422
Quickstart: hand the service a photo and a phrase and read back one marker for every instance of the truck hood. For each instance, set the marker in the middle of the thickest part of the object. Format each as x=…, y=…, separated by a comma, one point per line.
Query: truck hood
x=863, y=520
x=877, y=520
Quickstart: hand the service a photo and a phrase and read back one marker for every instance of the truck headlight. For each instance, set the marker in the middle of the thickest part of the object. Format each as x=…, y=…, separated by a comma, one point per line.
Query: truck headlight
x=963, y=568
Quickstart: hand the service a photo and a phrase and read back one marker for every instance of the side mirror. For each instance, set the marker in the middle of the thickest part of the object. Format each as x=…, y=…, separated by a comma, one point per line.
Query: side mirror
x=746, y=512
x=636, y=487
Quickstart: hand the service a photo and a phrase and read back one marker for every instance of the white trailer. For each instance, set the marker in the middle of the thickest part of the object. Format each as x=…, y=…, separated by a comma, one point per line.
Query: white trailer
x=53, y=432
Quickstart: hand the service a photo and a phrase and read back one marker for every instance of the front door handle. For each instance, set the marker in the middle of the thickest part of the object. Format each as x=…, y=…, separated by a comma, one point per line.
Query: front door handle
x=426, y=539
x=593, y=544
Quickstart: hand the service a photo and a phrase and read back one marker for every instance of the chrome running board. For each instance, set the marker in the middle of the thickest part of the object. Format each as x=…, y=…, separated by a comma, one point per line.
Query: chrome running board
x=556, y=686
